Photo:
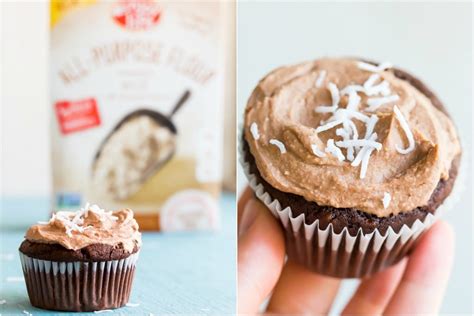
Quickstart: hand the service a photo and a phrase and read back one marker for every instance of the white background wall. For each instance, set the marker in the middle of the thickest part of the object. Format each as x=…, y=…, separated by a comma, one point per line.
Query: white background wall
x=25, y=167
x=432, y=40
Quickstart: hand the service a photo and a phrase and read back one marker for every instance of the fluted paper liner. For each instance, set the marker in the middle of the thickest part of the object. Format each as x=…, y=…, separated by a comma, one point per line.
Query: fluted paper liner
x=78, y=286
x=340, y=255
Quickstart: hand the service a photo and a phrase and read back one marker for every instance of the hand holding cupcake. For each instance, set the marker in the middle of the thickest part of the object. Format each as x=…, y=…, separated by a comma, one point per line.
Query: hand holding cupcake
x=353, y=158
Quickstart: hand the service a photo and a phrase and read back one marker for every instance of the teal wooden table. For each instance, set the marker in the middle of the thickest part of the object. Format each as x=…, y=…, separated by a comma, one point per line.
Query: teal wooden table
x=177, y=273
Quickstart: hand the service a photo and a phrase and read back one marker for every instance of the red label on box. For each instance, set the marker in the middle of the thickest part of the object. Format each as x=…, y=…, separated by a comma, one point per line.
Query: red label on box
x=78, y=115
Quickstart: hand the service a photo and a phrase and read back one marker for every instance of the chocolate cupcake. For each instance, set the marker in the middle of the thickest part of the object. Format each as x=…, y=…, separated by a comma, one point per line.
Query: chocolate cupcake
x=81, y=261
x=354, y=159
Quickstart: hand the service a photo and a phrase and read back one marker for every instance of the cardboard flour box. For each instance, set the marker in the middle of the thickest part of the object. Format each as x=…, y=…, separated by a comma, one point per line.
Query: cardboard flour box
x=136, y=97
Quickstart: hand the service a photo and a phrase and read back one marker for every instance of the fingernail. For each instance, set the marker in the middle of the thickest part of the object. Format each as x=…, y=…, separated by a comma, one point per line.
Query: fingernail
x=248, y=218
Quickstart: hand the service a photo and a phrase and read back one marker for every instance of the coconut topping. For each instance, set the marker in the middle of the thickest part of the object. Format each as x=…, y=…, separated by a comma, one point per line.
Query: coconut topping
x=386, y=199
x=373, y=68
x=319, y=81
x=404, y=124
x=89, y=225
x=254, y=130
x=375, y=103
x=356, y=144
x=317, y=151
x=333, y=150
x=279, y=144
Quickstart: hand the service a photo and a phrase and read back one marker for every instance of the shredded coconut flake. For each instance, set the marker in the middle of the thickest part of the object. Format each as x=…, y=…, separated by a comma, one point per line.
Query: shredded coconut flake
x=328, y=126
x=279, y=144
x=320, y=79
x=3, y=302
x=363, y=151
x=406, y=128
x=254, y=131
x=370, y=82
x=325, y=109
x=365, y=162
x=375, y=103
x=354, y=100
x=103, y=311
x=334, y=94
x=335, y=97
x=383, y=88
x=132, y=304
x=27, y=313
x=359, y=142
x=333, y=150
x=386, y=199
x=370, y=126
x=317, y=151
x=352, y=88
x=372, y=68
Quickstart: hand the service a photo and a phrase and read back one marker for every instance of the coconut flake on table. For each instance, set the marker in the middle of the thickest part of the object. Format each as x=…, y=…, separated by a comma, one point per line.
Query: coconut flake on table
x=386, y=199
x=375, y=103
x=317, y=152
x=103, y=311
x=254, y=131
x=132, y=304
x=278, y=144
x=373, y=68
x=320, y=79
x=3, y=302
x=27, y=313
x=406, y=128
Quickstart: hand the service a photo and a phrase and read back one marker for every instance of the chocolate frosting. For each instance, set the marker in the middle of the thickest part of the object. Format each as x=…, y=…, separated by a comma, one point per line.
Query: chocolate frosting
x=282, y=107
x=91, y=225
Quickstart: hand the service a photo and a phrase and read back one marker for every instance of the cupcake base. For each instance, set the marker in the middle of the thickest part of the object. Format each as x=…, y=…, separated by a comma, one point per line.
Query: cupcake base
x=341, y=252
x=335, y=261
x=78, y=286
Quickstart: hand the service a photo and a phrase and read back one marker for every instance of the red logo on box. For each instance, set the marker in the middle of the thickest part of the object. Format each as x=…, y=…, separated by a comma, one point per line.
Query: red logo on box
x=136, y=15
x=78, y=115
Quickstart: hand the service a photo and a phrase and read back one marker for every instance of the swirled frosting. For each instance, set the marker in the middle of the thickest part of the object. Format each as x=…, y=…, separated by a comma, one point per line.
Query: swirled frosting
x=288, y=126
x=88, y=226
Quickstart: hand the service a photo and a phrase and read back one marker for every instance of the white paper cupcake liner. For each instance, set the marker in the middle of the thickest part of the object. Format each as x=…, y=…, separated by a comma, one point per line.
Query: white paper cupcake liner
x=341, y=254
x=78, y=286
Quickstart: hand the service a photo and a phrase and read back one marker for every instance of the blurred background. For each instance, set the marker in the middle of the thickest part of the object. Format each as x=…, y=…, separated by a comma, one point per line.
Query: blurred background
x=432, y=40
x=25, y=114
